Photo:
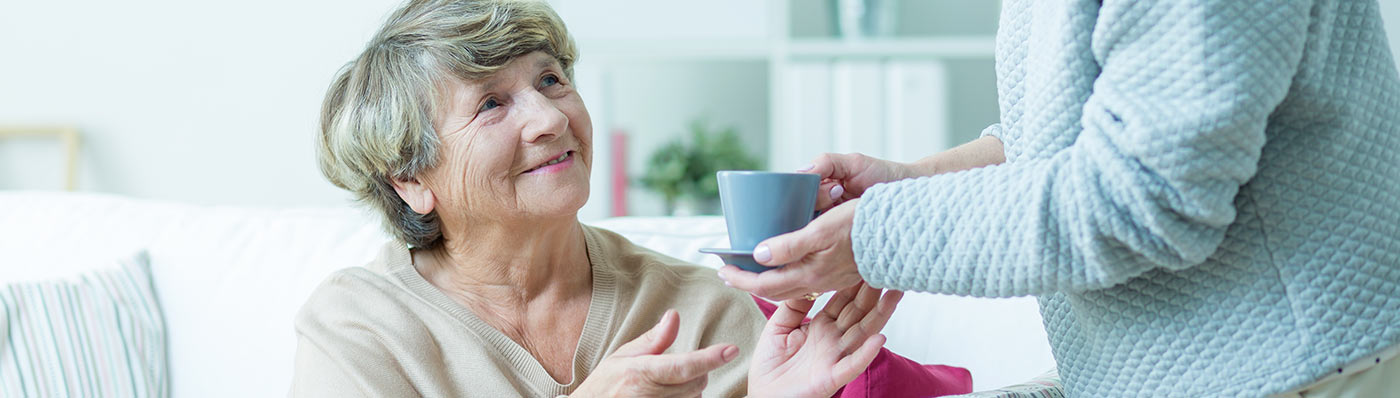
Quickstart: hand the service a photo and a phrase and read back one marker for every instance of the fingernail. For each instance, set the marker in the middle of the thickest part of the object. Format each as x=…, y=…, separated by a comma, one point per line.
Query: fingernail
x=762, y=254
x=729, y=353
x=837, y=191
x=720, y=274
x=808, y=167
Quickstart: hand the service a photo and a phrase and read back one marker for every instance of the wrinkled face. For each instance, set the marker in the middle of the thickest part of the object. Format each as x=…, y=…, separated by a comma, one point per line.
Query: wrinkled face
x=515, y=146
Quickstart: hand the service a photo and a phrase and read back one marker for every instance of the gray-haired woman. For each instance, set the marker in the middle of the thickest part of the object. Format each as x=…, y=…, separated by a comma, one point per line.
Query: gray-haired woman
x=460, y=123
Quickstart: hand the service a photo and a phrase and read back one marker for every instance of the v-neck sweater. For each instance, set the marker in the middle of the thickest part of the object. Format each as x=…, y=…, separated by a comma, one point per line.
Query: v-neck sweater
x=383, y=330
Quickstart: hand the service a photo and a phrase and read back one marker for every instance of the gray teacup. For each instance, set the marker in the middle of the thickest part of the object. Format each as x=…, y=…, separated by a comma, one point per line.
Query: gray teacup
x=759, y=205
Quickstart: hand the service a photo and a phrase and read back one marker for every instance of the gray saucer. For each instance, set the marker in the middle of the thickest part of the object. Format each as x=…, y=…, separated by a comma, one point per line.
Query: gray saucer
x=738, y=258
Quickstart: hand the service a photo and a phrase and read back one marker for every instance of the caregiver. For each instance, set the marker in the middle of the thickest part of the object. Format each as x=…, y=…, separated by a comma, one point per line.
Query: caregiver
x=1204, y=195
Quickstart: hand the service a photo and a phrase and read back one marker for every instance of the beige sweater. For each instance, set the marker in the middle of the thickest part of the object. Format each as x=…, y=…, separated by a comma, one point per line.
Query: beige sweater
x=384, y=331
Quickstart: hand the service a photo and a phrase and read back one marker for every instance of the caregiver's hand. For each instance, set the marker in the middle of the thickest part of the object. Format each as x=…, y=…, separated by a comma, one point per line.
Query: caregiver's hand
x=818, y=258
x=639, y=369
x=815, y=359
x=847, y=176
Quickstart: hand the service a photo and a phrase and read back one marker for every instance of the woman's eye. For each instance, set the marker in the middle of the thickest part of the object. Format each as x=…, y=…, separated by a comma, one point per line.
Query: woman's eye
x=489, y=105
x=549, y=80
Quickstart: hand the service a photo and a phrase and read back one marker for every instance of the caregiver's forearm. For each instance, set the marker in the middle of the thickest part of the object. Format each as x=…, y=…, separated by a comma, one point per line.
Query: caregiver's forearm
x=984, y=151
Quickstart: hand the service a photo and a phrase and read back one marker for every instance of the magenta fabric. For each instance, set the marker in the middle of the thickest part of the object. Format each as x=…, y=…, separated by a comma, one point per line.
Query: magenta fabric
x=891, y=375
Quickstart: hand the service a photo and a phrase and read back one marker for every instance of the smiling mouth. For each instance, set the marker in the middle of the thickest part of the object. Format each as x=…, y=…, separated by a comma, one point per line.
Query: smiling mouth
x=561, y=158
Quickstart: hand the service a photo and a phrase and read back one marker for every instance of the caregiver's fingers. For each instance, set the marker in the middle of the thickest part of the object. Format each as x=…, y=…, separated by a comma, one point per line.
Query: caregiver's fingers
x=778, y=284
x=830, y=194
x=834, y=166
x=835, y=170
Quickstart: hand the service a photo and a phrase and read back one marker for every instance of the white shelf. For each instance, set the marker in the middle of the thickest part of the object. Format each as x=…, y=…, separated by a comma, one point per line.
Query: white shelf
x=943, y=47
x=633, y=49
x=759, y=50
x=681, y=69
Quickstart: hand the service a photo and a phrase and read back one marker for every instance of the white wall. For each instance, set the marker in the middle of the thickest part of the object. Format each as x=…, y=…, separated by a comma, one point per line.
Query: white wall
x=206, y=102
x=1390, y=13
x=216, y=102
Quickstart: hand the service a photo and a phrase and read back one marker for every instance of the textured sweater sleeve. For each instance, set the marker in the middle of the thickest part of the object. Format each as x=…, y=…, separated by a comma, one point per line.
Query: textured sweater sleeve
x=1174, y=126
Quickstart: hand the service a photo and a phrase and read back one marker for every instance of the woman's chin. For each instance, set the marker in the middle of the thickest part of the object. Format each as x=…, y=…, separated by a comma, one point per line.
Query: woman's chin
x=565, y=201
x=558, y=192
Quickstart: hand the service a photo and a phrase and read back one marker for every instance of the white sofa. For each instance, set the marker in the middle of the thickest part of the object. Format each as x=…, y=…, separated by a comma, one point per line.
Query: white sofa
x=230, y=279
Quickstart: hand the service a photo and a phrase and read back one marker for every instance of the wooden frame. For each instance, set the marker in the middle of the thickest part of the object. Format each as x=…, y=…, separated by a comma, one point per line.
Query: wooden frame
x=67, y=134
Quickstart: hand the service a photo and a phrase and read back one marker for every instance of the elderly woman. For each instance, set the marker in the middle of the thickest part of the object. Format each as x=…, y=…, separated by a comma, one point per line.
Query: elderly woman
x=460, y=123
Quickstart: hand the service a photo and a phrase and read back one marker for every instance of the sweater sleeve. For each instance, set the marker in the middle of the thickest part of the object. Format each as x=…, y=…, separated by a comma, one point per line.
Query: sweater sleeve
x=1173, y=128
x=318, y=374
x=341, y=346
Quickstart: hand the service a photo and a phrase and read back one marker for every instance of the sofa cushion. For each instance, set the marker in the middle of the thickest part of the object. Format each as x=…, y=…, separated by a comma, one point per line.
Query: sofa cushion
x=679, y=237
x=98, y=334
x=230, y=279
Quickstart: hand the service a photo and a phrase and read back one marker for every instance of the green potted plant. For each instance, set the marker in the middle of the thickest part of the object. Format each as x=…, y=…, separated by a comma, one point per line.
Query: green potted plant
x=683, y=170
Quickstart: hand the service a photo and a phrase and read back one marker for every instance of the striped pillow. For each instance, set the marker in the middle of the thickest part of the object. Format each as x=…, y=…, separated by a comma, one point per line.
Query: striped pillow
x=97, y=335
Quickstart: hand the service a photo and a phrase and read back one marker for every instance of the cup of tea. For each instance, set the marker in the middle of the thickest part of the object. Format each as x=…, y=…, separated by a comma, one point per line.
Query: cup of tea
x=759, y=205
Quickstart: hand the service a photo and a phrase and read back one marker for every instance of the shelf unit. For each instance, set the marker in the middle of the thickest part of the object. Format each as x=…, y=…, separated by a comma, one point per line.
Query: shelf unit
x=620, y=70
x=904, y=48
x=972, y=47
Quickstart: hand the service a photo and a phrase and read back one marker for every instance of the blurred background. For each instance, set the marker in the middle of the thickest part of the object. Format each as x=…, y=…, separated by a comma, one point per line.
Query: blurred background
x=217, y=102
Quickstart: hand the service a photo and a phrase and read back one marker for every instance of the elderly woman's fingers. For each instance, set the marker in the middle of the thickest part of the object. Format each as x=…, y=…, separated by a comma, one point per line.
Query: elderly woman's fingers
x=654, y=341
x=689, y=389
x=852, y=365
x=865, y=301
x=839, y=301
x=875, y=320
x=790, y=314
x=680, y=368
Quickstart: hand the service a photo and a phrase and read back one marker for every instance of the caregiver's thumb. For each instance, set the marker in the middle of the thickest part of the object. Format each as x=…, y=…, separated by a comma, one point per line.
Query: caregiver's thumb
x=791, y=247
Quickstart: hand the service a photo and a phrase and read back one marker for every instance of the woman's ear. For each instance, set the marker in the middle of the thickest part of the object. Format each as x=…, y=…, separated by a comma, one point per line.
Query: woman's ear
x=415, y=193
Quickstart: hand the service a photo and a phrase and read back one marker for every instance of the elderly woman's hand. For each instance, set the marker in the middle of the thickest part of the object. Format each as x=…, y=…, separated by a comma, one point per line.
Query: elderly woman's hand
x=639, y=369
x=817, y=358
x=819, y=258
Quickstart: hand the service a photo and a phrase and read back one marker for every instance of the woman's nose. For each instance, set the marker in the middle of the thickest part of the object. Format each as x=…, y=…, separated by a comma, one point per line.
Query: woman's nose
x=543, y=120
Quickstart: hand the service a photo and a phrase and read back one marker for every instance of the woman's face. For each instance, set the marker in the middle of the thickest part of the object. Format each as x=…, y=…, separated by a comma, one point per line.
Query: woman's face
x=515, y=145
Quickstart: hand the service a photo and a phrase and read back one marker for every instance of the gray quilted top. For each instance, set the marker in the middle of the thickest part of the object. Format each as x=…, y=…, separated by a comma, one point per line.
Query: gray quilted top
x=1204, y=194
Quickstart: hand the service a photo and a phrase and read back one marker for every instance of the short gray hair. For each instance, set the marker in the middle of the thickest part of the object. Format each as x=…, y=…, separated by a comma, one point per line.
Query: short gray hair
x=377, y=118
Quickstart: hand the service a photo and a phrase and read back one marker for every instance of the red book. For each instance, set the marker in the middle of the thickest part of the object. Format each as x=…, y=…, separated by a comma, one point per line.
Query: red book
x=619, y=173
